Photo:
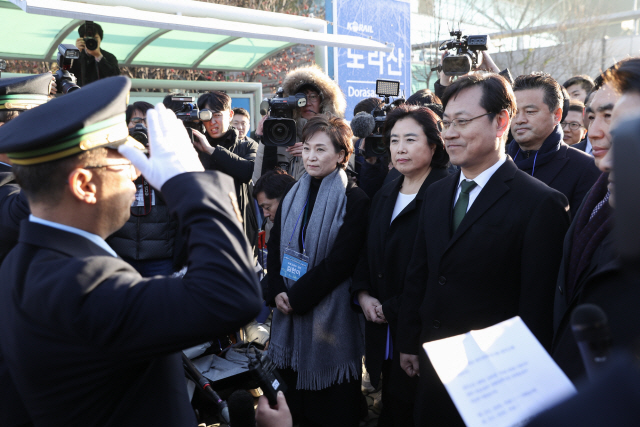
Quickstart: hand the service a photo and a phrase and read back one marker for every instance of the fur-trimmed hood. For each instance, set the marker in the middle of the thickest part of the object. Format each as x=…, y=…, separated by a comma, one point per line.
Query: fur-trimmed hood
x=333, y=100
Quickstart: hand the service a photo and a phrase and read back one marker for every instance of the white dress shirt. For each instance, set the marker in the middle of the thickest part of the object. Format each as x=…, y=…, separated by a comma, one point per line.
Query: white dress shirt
x=90, y=236
x=481, y=180
x=588, y=148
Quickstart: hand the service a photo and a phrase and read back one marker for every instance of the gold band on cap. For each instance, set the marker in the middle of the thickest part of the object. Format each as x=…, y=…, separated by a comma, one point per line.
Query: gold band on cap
x=105, y=133
x=21, y=102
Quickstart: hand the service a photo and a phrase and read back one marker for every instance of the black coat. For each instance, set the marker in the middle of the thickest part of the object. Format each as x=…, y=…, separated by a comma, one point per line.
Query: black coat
x=236, y=157
x=582, y=145
x=107, y=67
x=14, y=207
x=602, y=283
x=572, y=172
x=89, y=342
x=501, y=262
x=384, y=262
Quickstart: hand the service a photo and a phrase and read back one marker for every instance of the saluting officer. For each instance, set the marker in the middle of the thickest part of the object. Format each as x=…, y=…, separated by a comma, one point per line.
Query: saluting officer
x=87, y=340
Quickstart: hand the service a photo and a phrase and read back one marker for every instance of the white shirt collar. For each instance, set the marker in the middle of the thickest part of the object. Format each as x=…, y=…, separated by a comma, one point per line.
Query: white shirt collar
x=588, y=148
x=484, y=177
x=90, y=236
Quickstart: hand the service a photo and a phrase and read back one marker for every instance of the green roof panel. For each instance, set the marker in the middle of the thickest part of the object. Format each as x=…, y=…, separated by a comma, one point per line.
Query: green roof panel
x=242, y=54
x=177, y=49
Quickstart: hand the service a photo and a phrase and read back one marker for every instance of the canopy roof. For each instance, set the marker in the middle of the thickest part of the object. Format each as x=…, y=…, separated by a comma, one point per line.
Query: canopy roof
x=158, y=39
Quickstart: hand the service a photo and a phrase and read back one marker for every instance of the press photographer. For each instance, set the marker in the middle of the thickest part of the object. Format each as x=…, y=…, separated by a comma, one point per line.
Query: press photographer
x=94, y=63
x=470, y=54
x=323, y=96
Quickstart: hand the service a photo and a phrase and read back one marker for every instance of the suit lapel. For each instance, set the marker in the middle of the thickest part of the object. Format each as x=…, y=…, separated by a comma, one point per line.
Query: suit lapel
x=548, y=174
x=489, y=195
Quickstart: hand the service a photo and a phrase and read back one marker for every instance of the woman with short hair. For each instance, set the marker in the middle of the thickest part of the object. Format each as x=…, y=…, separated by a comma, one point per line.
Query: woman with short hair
x=417, y=152
x=315, y=337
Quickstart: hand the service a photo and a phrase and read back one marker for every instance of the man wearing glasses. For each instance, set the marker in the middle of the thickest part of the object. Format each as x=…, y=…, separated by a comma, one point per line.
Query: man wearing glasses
x=538, y=148
x=112, y=338
x=221, y=149
x=488, y=246
x=573, y=124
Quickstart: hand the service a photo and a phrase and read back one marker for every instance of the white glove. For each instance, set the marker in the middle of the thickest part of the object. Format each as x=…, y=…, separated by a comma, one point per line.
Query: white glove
x=171, y=151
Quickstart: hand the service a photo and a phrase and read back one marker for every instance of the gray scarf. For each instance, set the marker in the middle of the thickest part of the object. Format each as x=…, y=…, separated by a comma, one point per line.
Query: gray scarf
x=324, y=346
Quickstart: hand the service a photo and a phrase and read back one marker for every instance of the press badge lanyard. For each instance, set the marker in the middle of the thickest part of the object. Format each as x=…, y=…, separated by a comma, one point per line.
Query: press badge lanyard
x=295, y=264
x=534, y=160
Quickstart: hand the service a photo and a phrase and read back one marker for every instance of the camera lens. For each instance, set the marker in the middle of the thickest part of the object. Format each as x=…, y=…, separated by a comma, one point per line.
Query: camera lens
x=279, y=133
x=379, y=147
x=91, y=43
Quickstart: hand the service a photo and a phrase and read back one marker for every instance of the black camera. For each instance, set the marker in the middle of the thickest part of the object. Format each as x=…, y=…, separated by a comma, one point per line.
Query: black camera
x=264, y=372
x=279, y=129
x=90, y=36
x=140, y=133
x=65, y=81
x=191, y=116
x=465, y=58
x=371, y=126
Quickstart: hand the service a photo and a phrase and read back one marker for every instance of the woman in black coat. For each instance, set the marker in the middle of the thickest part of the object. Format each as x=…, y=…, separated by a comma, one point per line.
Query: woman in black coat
x=417, y=151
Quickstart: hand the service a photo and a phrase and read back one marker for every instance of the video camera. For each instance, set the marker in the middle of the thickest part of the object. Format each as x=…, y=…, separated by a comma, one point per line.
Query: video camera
x=140, y=133
x=466, y=57
x=65, y=81
x=371, y=126
x=191, y=116
x=279, y=129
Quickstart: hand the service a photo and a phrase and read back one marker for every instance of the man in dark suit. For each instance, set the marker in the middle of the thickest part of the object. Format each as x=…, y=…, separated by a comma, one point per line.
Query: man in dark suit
x=488, y=246
x=591, y=268
x=538, y=148
x=87, y=340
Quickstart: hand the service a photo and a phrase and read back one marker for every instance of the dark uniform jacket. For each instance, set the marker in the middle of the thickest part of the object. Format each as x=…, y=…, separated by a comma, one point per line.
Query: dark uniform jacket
x=236, y=158
x=89, y=342
x=14, y=207
x=501, y=262
x=384, y=262
x=94, y=70
x=572, y=172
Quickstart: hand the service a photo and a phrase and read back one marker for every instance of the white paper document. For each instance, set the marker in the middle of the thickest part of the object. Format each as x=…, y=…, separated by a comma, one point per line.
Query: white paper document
x=500, y=376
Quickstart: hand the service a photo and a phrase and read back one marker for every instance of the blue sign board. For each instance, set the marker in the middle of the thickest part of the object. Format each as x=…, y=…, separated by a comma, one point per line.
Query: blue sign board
x=358, y=70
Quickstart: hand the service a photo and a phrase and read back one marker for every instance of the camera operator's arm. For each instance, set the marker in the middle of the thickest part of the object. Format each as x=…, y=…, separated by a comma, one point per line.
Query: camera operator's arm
x=223, y=160
x=107, y=65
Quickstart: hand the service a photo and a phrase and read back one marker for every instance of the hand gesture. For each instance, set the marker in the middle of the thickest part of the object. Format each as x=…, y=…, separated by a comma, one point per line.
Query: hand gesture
x=409, y=364
x=370, y=306
x=282, y=303
x=273, y=416
x=171, y=152
x=201, y=143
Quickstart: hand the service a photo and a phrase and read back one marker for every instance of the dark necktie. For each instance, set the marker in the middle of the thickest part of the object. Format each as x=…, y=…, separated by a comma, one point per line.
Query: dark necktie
x=460, y=209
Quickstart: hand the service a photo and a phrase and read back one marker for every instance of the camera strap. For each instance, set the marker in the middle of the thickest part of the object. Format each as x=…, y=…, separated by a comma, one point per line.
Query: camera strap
x=146, y=197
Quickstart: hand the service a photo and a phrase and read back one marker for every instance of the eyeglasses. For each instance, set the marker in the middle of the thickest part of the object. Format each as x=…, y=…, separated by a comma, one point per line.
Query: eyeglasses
x=312, y=97
x=444, y=125
x=138, y=120
x=130, y=169
x=571, y=125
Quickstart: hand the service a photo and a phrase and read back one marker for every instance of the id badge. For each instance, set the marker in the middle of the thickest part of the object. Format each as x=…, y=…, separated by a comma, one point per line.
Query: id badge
x=294, y=264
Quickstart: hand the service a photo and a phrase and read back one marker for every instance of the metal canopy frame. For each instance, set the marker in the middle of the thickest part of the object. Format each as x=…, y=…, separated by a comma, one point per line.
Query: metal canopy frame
x=225, y=45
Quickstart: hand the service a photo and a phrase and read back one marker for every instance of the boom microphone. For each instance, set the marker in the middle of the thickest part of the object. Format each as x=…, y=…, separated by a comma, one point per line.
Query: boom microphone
x=591, y=331
x=363, y=124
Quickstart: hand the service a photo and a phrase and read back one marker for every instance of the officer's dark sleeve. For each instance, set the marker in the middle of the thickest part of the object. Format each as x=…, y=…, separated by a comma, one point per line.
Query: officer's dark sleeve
x=108, y=65
x=14, y=207
x=340, y=264
x=240, y=168
x=134, y=317
x=409, y=326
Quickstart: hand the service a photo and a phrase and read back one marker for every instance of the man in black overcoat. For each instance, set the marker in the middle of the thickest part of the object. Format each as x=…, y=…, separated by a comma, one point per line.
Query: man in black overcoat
x=538, y=148
x=87, y=340
x=591, y=267
x=489, y=243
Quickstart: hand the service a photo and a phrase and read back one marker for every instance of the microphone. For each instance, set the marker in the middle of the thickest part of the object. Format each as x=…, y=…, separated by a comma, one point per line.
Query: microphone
x=201, y=382
x=363, y=124
x=591, y=331
x=241, y=411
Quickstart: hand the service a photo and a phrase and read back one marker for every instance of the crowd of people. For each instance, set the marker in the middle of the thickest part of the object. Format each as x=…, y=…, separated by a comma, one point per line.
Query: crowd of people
x=494, y=199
